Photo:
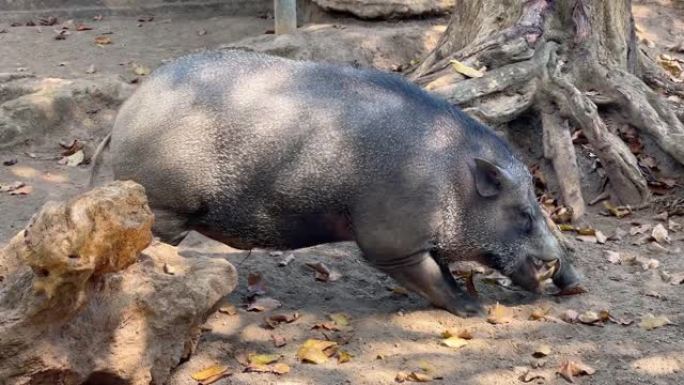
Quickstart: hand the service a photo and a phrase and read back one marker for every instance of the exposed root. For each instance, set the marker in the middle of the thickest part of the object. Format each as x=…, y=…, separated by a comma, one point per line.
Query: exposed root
x=497, y=80
x=656, y=77
x=621, y=166
x=559, y=149
x=646, y=110
x=503, y=107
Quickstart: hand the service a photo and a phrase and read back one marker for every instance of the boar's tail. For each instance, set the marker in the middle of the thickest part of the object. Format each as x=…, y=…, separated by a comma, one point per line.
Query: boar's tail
x=96, y=159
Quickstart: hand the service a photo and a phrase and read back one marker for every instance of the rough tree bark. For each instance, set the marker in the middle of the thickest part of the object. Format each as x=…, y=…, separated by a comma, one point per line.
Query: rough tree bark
x=560, y=59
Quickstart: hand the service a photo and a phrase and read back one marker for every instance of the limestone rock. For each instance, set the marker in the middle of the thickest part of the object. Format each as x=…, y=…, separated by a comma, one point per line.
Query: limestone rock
x=81, y=303
x=381, y=47
x=373, y=9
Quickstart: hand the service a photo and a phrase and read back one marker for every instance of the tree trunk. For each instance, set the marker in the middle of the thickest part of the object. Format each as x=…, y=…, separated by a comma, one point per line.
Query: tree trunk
x=560, y=59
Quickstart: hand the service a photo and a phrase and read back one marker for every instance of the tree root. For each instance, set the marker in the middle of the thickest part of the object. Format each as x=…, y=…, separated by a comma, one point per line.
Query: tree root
x=621, y=166
x=558, y=148
x=646, y=110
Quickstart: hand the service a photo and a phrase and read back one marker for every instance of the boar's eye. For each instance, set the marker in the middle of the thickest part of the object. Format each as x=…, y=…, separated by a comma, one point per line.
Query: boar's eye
x=526, y=221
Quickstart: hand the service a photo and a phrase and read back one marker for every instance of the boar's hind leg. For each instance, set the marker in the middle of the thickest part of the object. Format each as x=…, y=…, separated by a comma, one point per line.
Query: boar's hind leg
x=427, y=278
x=170, y=227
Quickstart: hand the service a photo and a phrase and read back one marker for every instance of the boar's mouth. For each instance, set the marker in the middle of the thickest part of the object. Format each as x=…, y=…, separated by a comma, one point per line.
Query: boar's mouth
x=532, y=271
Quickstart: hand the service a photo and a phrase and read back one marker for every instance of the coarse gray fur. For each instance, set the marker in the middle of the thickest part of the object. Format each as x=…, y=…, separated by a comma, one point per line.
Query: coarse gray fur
x=261, y=151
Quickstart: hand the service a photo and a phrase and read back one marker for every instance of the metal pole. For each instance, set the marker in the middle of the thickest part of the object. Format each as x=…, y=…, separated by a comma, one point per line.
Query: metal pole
x=285, y=16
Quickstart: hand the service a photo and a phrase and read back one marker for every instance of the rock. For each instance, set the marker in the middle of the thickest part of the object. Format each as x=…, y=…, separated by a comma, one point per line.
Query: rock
x=385, y=48
x=375, y=9
x=31, y=108
x=81, y=303
x=195, y=244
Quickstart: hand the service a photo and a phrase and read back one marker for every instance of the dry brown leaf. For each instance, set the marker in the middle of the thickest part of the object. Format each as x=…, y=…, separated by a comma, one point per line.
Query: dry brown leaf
x=572, y=290
x=323, y=273
x=343, y=356
x=255, y=284
x=499, y=315
x=650, y=322
x=211, y=373
x=589, y=318
x=271, y=322
x=639, y=229
x=569, y=369
x=542, y=350
x=569, y=316
x=263, y=304
x=419, y=377
x=677, y=278
x=11, y=186
x=329, y=325
x=613, y=257
x=453, y=342
x=660, y=234
x=140, y=69
x=24, y=190
x=341, y=319
x=539, y=313
x=74, y=159
x=670, y=65
x=316, y=351
x=466, y=70
x=228, y=309
x=617, y=211
x=278, y=341
x=103, y=40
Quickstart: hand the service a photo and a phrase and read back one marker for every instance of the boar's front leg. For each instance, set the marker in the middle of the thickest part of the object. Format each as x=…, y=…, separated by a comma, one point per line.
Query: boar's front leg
x=422, y=274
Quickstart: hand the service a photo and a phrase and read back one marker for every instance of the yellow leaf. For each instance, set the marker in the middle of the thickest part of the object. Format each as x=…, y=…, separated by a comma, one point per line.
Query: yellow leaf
x=539, y=314
x=209, y=372
x=498, y=315
x=340, y=319
x=263, y=359
x=419, y=377
x=454, y=342
x=568, y=369
x=466, y=70
x=280, y=368
x=426, y=366
x=140, y=70
x=542, y=350
x=343, y=356
x=103, y=40
x=462, y=333
x=312, y=351
x=650, y=322
x=566, y=227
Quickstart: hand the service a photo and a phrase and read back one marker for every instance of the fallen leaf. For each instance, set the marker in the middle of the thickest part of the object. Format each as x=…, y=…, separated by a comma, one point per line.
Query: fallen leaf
x=677, y=278
x=572, y=290
x=332, y=326
x=277, y=368
x=73, y=160
x=286, y=260
x=24, y=190
x=323, y=273
x=617, y=211
x=453, y=342
x=670, y=65
x=650, y=322
x=278, y=341
x=639, y=229
x=316, y=351
x=103, y=40
x=569, y=369
x=589, y=318
x=426, y=366
x=255, y=284
x=263, y=304
x=11, y=187
x=140, y=69
x=210, y=373
x=618, y=235
x=340, y=319
x=673, y=226
x=539, y=313
x=613, y=257
x=263, y=359
x=343, y=356
x=569, y=316
x=542, y=350
x=499, y=315
x=271, y=322
x=566, y=227
x=660, y=234
x=600, y=237
x=562, y=215
x=586, y=231
x=398, y=290
x=83, y=27
x=465, y=69
x=645, y=263
x=228, y=309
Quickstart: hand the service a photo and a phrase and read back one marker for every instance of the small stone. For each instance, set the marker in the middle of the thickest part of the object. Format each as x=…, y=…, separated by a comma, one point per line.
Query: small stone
x=613, y=257
x=168, y=269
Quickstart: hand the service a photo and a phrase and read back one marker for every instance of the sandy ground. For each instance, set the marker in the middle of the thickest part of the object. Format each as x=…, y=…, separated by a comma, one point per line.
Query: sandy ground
x=389, y=332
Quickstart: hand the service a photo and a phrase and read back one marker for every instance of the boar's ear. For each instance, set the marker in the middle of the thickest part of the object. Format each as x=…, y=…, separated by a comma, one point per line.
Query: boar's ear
x=489, y=178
